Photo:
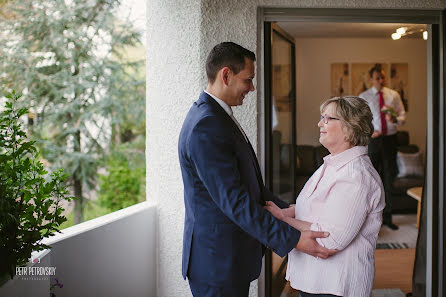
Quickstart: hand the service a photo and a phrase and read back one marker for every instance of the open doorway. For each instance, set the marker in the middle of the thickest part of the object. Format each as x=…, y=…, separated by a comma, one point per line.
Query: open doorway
x=333, y=59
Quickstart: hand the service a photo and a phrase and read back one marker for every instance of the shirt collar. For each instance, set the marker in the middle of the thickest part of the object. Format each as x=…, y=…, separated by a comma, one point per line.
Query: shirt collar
x=375, y=91
x=339, y=160
x=223, y=104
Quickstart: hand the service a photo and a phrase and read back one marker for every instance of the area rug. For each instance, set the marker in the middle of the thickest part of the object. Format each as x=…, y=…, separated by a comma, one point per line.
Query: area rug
x=388, y=293
x=403, y=238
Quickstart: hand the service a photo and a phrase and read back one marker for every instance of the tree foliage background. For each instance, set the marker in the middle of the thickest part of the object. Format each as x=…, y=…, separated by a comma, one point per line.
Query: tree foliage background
x=68, y=58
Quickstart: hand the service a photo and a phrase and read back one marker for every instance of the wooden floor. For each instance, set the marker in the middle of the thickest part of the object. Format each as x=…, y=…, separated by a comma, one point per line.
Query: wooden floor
x=394, y=269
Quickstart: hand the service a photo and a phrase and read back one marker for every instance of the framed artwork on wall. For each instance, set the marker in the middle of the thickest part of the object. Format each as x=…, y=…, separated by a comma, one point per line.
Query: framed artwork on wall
x=340, y=79
x=354, y=79
x=361, y=78
x=399, y=78
x=282, y=87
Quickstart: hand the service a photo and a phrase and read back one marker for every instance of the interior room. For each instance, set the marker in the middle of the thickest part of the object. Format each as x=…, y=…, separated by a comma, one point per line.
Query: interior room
x=333, y=59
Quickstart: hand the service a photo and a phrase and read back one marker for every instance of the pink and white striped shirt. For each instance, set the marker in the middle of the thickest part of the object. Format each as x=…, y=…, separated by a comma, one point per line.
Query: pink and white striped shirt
x=345, y=197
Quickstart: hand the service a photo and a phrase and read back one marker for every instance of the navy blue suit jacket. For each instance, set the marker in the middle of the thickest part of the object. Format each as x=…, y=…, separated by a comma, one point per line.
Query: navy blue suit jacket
x=226, y=225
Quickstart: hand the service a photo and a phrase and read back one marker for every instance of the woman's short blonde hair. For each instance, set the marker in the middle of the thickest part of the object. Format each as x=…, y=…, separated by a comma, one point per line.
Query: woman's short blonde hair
x=356, y=116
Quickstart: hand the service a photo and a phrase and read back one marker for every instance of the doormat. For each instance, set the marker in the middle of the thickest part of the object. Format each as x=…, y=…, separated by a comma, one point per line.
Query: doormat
x=392, y=245
x=388, y=293
x=403, y=238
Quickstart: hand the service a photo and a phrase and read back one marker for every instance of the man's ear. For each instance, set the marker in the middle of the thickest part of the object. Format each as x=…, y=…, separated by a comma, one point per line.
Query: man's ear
x=225, y=74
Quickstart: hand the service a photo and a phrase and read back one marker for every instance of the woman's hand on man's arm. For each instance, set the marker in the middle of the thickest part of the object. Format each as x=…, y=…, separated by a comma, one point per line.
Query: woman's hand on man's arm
x=287, y=215
x=279, y=213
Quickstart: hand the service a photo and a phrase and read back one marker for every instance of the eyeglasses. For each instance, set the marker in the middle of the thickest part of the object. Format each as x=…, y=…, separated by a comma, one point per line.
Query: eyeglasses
x=326, y=118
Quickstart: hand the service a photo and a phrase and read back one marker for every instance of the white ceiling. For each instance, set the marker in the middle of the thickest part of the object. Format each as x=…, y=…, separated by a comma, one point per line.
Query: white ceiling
x=347, y=30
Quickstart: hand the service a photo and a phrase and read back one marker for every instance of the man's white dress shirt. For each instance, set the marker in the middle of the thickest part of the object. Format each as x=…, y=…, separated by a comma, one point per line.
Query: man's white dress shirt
x=391, y=99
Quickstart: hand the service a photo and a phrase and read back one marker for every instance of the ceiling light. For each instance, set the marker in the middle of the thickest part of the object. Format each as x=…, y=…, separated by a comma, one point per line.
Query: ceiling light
x=405, y=31
x=396, y=36
x=401, y=30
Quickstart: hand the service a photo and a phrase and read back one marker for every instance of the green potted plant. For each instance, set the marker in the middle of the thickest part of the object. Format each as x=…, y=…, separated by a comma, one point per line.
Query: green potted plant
x=30, y=197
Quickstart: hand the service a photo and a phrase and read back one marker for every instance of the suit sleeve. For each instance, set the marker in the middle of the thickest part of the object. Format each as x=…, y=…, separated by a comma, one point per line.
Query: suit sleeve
x=214, y=157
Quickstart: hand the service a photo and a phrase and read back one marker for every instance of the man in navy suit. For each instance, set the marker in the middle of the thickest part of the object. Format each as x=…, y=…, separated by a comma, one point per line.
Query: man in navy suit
x=226, y=227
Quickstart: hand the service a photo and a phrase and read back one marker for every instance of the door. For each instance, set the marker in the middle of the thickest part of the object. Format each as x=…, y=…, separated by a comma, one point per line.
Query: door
x=280, y=130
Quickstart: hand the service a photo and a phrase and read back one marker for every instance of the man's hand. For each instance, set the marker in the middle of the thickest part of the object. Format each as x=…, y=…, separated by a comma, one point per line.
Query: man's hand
x=376, y=134
x=391, y=118
x=308, y=244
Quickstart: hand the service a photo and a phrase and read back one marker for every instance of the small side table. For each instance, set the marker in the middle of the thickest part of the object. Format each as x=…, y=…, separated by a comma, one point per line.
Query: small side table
x=415, y=193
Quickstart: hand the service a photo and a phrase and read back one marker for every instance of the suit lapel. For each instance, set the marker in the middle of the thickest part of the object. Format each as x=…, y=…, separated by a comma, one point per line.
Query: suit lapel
x=205, y=98
x=256, y=163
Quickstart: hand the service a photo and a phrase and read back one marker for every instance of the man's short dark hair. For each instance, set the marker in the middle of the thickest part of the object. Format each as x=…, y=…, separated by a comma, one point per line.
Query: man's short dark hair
x=227, y=54
x=376, y=68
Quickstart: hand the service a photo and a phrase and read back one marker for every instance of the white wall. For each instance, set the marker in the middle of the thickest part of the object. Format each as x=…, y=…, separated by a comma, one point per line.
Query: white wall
x=314, y=57
x=174, y=81
x=180, y=34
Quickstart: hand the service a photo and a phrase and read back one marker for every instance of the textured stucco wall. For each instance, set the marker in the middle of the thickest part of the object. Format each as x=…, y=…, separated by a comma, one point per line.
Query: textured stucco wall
x=180, y=34
x=173, y=82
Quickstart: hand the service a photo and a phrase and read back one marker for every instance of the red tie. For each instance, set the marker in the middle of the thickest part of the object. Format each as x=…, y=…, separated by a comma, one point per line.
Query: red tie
x=383, y=115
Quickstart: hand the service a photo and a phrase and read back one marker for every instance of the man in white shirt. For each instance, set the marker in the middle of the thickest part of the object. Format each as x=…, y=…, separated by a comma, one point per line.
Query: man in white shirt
x=388, y=113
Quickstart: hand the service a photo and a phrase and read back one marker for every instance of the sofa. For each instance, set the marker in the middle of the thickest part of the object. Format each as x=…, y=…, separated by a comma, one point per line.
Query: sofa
x=309, y=158
x=410, y=174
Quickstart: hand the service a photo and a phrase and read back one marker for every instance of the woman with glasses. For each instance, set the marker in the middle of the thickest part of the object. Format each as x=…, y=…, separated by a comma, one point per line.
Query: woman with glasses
x=345, y=197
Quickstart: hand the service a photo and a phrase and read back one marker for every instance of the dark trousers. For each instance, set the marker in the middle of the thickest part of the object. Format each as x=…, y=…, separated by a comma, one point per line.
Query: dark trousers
x=205, y=290
x=303, y=294
x=382, y=153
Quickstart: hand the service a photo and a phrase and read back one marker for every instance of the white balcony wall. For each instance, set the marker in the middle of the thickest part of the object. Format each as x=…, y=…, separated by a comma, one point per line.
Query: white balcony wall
x=30, y=285
x=113, y=256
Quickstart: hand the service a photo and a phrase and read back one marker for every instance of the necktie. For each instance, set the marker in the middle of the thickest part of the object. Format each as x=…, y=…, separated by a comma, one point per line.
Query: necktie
x=383, y=115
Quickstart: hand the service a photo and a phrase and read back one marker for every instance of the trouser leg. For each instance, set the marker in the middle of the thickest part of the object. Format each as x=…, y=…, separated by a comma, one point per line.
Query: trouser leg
x=200, y=289
x=303, y=294
x=389, y=173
